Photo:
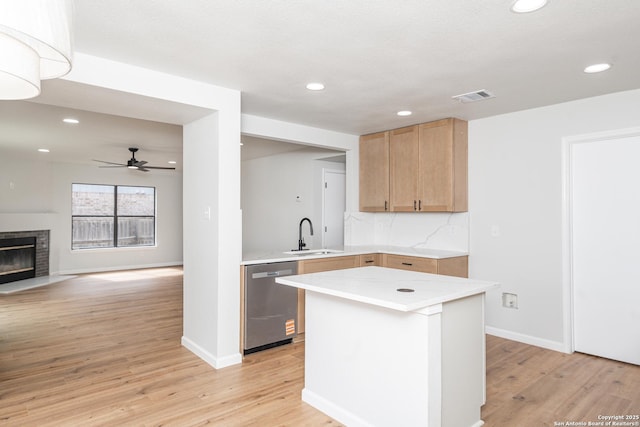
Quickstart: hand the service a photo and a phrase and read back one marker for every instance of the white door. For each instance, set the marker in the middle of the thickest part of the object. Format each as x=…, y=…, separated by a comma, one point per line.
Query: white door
x=605, y=215
x=333, y=207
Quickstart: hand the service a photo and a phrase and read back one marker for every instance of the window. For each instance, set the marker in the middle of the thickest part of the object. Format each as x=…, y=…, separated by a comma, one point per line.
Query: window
x=108, y=216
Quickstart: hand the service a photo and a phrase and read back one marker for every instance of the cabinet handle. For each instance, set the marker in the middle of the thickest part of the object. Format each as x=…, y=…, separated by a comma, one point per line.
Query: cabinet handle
x=419, y=205
x=385, y=205
x=414, y=205
x=369, y=261
x=407, y=263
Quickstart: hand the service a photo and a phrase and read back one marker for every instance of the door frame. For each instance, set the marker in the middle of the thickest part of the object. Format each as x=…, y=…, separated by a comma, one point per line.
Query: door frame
x=567, y=221
x=323, y=222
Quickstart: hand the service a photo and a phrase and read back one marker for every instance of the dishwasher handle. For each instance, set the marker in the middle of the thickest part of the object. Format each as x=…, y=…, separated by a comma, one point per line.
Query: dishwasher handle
x=265, y=274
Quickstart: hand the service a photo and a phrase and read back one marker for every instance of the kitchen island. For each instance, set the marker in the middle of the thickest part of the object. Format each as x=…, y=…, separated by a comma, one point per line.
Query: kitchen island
x=392, y=347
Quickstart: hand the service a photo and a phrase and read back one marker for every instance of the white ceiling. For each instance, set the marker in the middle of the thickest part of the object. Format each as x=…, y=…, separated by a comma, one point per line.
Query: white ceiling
x=374, y=56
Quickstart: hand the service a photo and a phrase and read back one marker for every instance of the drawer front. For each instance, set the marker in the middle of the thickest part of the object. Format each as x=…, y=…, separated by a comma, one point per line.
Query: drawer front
x=370, y=259
x=327, y=264
x=424, y=265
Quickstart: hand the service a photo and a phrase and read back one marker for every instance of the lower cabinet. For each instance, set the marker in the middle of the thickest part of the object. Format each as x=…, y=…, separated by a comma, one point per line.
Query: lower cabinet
x=316, y=266
x=457, y=266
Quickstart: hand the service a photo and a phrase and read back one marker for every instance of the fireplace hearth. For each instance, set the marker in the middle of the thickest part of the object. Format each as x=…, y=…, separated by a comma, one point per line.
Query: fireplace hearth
x=23, y=255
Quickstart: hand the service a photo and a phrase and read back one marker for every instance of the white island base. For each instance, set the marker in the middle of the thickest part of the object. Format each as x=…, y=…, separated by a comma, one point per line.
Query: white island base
x=374, y=363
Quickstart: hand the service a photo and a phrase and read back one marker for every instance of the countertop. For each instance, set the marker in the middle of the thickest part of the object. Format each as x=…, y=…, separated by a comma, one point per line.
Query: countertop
x=278, y=256
x=379, y=286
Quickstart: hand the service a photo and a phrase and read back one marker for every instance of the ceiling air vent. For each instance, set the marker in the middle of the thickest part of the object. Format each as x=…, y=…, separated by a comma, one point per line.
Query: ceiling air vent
x=478, y=95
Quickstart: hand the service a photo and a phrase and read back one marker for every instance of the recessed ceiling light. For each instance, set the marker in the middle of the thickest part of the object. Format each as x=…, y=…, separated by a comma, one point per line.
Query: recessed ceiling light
x=597, y=68
x=43, y=150
x=526, y=6
x=404, y=113
x=172, y=162
x=70, y=120
x=315, y=86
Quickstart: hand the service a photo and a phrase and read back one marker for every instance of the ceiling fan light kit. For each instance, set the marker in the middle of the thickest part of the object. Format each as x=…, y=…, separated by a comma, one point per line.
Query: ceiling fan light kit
x=132, y=163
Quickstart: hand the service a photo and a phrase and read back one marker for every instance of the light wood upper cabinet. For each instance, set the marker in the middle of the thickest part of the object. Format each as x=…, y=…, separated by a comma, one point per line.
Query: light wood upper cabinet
x=421, y=168
x=442, y=181
x=403, y=168
x=374, y=172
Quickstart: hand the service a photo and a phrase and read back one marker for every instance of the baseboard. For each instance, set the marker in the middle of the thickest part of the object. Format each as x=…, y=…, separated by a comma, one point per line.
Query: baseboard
x=331, y=409
x=119, y=268
x=526, y=339
x=216, y=362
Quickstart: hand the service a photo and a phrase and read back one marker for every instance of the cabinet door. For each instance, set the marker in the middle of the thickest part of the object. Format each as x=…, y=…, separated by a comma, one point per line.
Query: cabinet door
x=442, y=179
x=457, y=266
x=374, y=172
x=403, y=168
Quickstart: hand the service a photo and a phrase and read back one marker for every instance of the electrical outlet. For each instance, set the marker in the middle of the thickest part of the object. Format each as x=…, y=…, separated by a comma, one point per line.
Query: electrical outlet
x=509, y=300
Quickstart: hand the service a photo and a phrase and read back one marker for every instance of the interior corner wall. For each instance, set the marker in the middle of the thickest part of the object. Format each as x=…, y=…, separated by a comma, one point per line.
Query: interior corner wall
x=168, y=248
x=280, y=190
x=516, y=209
x=41, y=199
x=293, y=132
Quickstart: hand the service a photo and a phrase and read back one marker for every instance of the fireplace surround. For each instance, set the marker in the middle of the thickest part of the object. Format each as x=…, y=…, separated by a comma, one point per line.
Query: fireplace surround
x=23, y=254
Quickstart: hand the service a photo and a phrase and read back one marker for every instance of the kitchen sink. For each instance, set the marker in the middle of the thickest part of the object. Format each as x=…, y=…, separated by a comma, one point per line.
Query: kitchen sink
x=314, y=252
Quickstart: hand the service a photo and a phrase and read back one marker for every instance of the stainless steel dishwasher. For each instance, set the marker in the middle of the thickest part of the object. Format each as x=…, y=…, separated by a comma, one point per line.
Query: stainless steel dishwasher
x=271, y=309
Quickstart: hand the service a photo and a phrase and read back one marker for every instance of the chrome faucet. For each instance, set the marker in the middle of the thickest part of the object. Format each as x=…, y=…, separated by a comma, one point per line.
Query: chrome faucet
x=301, y=243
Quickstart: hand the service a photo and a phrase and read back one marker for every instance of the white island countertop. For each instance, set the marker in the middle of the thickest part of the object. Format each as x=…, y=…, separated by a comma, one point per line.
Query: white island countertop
x=379, y=286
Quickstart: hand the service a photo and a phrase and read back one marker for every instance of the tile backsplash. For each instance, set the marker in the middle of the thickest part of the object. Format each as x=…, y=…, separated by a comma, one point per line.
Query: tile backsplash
x=445, y=231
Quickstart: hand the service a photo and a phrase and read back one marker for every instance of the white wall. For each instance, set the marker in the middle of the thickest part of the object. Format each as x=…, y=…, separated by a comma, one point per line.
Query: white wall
x=516, y=191
x=271, y=209
x=40, y=198
x=25, y=185
x=168, y=250
x=292, y=132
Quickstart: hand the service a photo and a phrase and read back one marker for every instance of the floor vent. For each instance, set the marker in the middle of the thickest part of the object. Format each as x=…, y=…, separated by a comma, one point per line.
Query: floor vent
x=478, y=95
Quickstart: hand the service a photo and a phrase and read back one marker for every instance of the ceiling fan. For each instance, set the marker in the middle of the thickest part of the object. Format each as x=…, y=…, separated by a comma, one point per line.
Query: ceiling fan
x=132, y=163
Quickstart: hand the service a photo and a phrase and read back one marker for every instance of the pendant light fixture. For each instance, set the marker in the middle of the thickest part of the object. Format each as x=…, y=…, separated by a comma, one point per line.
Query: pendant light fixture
x=35, y=44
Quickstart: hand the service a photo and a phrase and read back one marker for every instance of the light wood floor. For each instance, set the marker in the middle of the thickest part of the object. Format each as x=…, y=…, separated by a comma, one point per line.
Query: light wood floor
x=104, y=349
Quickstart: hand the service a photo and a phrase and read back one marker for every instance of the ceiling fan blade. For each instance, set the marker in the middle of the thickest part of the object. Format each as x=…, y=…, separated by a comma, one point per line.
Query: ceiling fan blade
x=132, y=163
x=109, y=163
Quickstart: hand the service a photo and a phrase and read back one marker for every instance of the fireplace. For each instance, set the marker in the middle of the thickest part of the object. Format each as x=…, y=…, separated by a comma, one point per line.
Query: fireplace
x=17, y=259
x=23, y=255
